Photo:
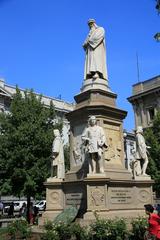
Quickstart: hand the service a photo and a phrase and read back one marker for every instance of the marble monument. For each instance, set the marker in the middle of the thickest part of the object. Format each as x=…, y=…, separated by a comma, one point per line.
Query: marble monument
x=97, y=179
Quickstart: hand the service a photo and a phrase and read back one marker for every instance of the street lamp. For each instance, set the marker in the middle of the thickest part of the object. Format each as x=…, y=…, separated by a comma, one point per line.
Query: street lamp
x=158, y=6
x=157, y=37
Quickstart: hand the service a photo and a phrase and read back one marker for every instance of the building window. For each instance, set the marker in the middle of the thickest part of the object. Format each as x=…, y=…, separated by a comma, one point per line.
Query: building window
x=150, y=114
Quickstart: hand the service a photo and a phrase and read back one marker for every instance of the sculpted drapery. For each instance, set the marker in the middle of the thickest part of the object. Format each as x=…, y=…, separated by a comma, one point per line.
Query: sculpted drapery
x=58, y=155
x=94, y=46
x=141, y=149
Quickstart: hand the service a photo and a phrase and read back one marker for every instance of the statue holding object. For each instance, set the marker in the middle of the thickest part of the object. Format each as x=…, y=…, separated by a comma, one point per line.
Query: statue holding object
x=94, y=139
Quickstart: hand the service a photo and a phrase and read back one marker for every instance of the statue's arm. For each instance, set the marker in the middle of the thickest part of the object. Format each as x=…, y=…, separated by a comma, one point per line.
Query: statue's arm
x=55, y=148
x=141, y=145
x=96, y=38
x=85, y=136
x=86, y=42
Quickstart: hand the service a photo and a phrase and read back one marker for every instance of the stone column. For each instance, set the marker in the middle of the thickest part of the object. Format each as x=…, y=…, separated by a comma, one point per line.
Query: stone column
x=135, y=115
x=143, y=117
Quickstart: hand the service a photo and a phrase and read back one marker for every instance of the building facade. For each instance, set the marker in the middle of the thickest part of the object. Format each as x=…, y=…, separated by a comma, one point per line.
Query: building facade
x=145, y=100
x=61, y=107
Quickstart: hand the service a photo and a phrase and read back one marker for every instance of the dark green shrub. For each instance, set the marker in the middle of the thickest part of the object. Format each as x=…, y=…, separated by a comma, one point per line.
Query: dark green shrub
x=98, y=230
x=58, y=231
x=78, y=232
x=117, y=229
x=3, y=233
x=109, y=229
x=48, y=226
x=50, y=232
x=50, y=235
x=101, y=229
x=139, y=226
x=64, y=231
x=19, y=229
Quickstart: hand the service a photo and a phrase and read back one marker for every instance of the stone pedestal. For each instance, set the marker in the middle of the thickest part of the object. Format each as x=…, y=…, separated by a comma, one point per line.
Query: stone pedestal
x=101, y=104
x=117, y=198
x=55, y=199
x=113, y=193
x=109, y=198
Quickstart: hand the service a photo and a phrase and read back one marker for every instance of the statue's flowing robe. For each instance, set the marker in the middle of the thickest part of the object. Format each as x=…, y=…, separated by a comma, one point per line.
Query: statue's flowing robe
x=96, y=53
x=57, y=149
x=141, y=148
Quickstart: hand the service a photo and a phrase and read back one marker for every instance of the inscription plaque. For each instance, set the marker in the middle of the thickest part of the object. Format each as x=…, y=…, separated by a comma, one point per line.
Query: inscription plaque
x=73, y=198
x=118, y=196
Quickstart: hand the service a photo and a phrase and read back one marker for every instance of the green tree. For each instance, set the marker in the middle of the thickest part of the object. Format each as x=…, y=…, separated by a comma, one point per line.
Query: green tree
x=152, y=136
x=25, y=145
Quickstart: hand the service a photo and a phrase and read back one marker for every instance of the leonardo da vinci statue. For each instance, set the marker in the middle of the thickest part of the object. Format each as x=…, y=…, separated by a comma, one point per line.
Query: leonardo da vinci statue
x=94, y=46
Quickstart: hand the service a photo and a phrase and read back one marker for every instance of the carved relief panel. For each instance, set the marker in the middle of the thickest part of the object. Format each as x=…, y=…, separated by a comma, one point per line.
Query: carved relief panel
x=78, y=151
x=114, y=153
x=55, y=199
x=96, y=197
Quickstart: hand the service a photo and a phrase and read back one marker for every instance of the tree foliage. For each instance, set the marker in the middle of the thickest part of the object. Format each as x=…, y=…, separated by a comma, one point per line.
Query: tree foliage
x=25, y=145
x=152, y=136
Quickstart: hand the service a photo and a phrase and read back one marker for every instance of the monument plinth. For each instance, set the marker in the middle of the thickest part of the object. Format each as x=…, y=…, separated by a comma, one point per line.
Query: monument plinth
x=98, y=83
x=97, y=179
x=101, y=104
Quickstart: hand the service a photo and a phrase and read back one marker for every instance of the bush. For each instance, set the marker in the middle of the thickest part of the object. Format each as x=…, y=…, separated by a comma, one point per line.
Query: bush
x=101, y=229
x=19, y=229
x=3, y=233
x=50, y=232
x=64, y=231
x=139, y=226
x=78, y=232
x=115, y=229
x=58, y=231
x=50, y=235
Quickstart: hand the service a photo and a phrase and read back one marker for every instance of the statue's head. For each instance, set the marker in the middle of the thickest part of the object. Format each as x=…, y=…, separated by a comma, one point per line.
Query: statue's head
x=92, y=120
x=91, y=23
x=139, y=129
x=56, y=132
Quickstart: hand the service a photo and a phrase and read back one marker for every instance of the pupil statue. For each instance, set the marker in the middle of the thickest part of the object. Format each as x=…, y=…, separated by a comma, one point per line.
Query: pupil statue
x=57, y=165
x=94, y=139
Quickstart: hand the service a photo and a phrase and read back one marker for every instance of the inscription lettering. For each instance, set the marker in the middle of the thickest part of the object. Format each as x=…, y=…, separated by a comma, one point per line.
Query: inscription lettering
x=120, y=196
x=73, y=198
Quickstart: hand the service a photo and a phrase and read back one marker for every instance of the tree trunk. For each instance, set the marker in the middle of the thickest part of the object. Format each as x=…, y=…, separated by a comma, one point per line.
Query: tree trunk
x=28, y=208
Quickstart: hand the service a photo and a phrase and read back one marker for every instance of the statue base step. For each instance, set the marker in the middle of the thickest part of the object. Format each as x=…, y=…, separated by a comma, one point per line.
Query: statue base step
x=142, y=177
x=96, y=175
x=52, y=179
x=98, y=83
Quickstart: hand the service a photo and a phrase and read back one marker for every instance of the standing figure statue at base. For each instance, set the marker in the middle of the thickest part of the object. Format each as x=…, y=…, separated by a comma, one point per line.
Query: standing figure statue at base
x=94, y=139
x=94, y=46
x=141, y=152
x=57, y=165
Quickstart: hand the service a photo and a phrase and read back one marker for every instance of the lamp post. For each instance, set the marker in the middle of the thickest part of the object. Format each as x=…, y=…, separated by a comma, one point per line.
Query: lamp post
x=158, y=6
x=157, y=35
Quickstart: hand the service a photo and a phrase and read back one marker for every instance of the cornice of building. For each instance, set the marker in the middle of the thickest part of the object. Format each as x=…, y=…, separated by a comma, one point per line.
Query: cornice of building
x=60, y=105
x=144, y=88
x=143, y=94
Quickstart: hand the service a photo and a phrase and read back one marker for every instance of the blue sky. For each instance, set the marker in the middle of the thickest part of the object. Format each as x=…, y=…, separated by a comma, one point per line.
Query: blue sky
x=41, y=45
